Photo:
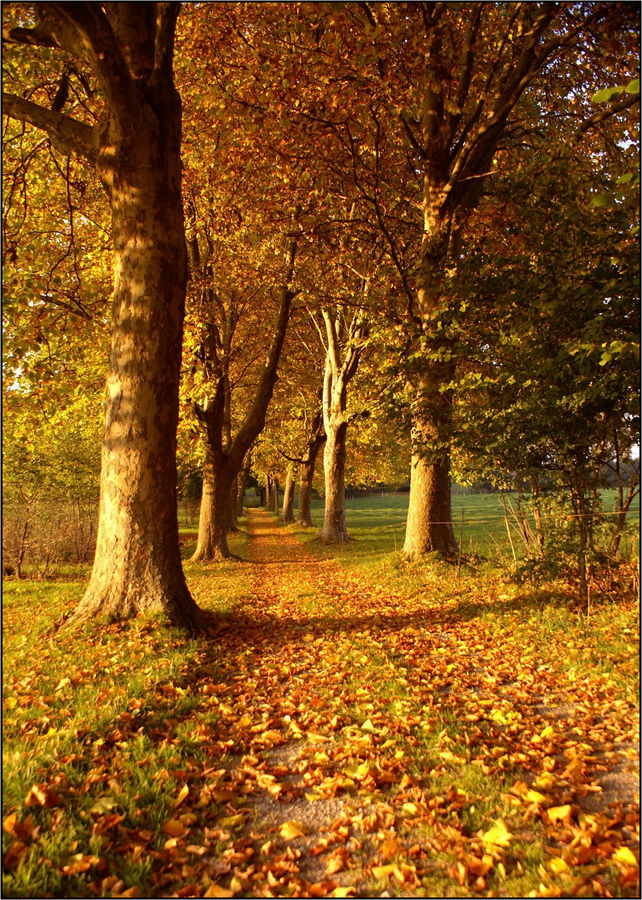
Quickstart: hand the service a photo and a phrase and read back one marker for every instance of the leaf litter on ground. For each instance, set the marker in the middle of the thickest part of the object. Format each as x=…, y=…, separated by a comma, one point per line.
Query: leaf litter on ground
x=338, y=734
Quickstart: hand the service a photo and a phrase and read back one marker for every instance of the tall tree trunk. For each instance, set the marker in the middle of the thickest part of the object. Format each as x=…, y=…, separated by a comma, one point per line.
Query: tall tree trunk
x=273, y=494
x=336, y=378
x=334, y=457
x=241, y=484
x=306, y=474
x=429, y=526
x=288, y=497
x=137, y=565
x=232, y=517
x=213, y=520
x=304, y=511
x=537, y=512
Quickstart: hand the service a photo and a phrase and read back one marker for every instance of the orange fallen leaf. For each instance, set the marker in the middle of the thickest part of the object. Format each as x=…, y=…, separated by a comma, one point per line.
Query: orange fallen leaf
x=174, y=828
x=14, y=854
x=383, y=871
x=23, y=831
x=41, y=795
x=215, y=890
x=291, y=830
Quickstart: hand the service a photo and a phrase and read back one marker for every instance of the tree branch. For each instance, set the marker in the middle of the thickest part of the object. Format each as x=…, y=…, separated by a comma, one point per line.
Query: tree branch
x=97, y=42
x=39, y=36
x=166, y=16
x=603, y=114
x=66, y=133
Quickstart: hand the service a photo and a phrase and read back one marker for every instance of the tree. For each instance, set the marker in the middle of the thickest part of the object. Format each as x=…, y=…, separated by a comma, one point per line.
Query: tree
x=552, y=376
x=128, y=49
x=287, y=511
x=345, y=342
x=224, y=452
x=430, y=96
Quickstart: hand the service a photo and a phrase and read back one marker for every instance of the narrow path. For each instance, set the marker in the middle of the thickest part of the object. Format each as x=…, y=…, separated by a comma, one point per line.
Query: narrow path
x=329, y=689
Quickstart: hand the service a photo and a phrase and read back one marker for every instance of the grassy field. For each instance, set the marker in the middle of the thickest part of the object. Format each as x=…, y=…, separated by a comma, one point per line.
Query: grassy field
x=479, y=523
x=120, y=741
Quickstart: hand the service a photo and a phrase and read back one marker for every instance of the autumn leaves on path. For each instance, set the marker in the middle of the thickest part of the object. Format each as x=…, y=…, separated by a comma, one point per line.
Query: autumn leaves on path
x=371, y=742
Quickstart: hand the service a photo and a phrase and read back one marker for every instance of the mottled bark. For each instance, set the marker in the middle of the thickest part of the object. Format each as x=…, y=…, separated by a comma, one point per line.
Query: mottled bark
x=137, y=565
x=287, y=512
x=232, y=517
x=337, y=376
x=213, y=523
x=429, y=526
x=334, y=458
x=306, y=474
x=241, y=484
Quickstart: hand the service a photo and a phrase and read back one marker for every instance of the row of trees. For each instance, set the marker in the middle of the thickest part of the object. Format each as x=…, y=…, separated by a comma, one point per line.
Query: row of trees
x=418, y=221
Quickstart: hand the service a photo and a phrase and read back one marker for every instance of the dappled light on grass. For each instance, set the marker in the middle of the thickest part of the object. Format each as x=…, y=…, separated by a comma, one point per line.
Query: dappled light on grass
x=343, y=732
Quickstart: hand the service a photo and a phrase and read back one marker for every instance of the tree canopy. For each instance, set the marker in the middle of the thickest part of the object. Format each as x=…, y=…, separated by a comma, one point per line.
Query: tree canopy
x=439, y=201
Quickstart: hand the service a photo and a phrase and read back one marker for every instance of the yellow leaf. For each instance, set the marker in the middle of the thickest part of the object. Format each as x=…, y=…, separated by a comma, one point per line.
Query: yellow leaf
x=549, y=731
x=362, y=771
x=291, y=830
x=182, y=794
x=625, y=857
x=534, y=797
x=546, y=781
x=232, y=821
x=560, y=813
x=344, y=892
x=383, y=871
x=498, y=835
x=558, y=866
x=174, y=828
x=215, y=890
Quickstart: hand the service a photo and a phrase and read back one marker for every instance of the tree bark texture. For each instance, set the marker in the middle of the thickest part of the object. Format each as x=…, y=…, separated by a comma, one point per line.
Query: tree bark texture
x=288, y=498
x=241, y=484
x=136, y=149
x=306, y=474
x=273, y=494
x=213, y=523
x=337, y=376
x=334, y=459
x=429, y=526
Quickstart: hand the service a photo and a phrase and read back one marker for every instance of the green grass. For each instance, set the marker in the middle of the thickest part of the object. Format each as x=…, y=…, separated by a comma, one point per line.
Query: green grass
x=478, y=520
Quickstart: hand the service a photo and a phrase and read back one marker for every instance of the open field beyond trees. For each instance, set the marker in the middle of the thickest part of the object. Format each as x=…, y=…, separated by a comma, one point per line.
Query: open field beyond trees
x=354, y=726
